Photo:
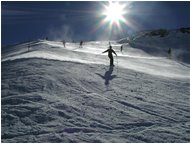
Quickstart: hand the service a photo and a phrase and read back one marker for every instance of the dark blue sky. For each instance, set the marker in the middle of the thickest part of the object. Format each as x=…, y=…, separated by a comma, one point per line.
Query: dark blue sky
x=23, y=21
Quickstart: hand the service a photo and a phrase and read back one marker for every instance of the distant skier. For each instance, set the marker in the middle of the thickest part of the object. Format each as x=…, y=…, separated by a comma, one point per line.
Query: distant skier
x=110, y=51
x=121, y=48
x=170, y=53
x=81, y=42
x=64, y=43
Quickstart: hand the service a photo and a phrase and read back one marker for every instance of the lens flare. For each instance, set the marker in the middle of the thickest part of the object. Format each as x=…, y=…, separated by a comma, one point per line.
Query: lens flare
x=113, y=18
x=114, y=13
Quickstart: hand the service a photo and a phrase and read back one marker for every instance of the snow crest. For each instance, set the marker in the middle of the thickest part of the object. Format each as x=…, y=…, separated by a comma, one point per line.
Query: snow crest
x=91, y=53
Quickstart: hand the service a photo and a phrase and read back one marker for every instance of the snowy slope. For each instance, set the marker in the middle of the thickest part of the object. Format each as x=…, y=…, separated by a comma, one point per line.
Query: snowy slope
x=158, y=42
x=57, y=94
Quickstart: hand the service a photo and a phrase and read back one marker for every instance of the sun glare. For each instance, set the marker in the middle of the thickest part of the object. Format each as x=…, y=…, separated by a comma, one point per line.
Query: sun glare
x=113, y=17
x=114, y=12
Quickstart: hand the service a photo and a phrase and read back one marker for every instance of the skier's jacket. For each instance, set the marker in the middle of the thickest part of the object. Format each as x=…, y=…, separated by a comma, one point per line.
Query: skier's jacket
x=110, y=51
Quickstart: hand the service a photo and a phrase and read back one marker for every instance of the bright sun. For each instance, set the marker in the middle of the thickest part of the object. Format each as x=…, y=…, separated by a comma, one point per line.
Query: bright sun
x=114, y=12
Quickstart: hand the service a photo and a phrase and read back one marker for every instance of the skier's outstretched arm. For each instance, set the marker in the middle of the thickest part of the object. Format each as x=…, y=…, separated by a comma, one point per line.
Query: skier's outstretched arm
x=105, y=51
x=114, y=52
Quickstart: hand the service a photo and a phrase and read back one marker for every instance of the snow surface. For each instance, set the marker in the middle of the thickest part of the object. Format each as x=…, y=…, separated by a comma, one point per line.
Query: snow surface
x=56, y=94
x=158, y=45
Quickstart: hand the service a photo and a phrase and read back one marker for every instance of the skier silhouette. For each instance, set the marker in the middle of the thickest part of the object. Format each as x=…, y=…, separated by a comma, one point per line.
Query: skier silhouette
x=121, y=48
x=110, y=51
x=81, y=42
x=170, y=53
x=64, y=43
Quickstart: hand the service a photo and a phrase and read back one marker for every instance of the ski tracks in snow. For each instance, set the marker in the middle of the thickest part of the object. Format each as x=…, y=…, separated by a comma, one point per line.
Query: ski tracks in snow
x=70, y=101
x=48, y=100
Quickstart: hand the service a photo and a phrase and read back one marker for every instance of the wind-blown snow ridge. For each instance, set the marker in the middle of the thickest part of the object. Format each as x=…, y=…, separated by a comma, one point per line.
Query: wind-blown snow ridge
x=46, y=55
x=131, y=58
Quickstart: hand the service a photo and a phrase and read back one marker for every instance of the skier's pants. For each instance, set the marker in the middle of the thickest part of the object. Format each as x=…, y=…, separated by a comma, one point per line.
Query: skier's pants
x=111, y=60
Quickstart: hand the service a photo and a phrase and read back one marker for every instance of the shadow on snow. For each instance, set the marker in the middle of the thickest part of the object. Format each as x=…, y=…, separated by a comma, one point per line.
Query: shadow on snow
x=108, y=75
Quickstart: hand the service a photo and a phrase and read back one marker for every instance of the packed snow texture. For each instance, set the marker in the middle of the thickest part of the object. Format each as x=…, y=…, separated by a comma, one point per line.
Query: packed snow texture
x=52, y=93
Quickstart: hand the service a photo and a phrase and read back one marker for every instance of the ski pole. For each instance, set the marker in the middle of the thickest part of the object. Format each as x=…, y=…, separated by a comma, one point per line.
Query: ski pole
x=117, y=65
